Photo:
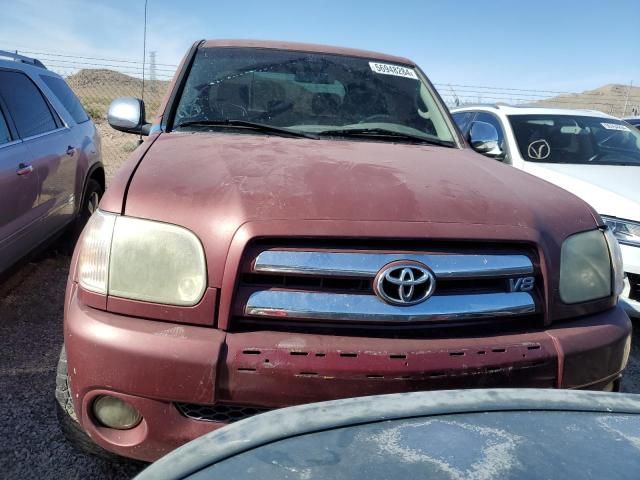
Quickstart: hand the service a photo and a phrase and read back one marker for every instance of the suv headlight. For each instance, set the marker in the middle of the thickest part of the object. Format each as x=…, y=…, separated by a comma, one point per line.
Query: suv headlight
x=591, y=267
x=141, y=260
x=626, y=231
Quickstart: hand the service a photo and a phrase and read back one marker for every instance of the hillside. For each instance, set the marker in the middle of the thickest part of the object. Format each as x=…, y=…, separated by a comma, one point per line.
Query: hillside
x=609, y=99
x=96, y=88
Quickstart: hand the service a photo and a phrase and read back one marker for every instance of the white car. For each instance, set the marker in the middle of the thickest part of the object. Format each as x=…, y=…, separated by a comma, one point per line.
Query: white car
x=591, y=154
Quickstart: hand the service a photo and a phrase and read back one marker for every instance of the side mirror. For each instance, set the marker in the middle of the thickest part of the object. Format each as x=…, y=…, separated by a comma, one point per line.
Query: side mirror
x=484, y=139
x=127, y=114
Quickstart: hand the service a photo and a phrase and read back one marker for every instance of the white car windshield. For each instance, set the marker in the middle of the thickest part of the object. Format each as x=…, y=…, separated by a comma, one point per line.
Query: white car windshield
x=576, y=139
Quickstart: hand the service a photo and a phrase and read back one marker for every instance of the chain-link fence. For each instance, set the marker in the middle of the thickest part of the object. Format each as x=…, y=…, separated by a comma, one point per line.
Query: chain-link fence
x=97, y=81
x=96, y=88
x=617, y=100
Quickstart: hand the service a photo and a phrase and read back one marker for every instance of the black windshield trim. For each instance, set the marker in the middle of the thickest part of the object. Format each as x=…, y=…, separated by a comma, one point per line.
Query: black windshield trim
x=262, y=127
x=384, y=133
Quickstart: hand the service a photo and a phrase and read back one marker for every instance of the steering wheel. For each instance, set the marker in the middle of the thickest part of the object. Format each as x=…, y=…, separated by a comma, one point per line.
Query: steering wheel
x=230, y=110
x=380, y=117
x=275, y=108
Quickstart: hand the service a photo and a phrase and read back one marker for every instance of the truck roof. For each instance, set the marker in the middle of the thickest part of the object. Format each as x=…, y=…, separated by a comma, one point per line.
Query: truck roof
x=306, y=47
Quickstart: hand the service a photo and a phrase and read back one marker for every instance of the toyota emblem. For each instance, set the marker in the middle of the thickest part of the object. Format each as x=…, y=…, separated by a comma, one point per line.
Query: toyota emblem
x=404, y=283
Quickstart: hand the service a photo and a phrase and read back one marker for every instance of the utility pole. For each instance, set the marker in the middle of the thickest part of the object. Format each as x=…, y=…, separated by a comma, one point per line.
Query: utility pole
x=152, y=65
x=626, y=100
x=455, y=96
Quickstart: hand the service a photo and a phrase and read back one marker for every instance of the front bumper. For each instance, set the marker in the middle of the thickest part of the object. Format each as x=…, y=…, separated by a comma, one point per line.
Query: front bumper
x=154, y=365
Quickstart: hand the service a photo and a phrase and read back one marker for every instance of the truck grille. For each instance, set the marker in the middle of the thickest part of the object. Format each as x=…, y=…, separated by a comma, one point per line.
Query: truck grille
x=341, y=287
x=227, y=413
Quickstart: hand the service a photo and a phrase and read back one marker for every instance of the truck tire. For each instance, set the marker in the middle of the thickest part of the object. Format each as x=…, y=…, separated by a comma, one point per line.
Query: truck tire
x=68, y=420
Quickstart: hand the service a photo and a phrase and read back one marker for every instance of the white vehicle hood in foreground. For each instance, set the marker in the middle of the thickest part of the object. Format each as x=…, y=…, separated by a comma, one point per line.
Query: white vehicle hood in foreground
x=612, y=190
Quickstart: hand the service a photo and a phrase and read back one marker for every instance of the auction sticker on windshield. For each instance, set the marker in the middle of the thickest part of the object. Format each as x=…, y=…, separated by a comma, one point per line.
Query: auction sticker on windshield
x=395, y=70
x=615, y=126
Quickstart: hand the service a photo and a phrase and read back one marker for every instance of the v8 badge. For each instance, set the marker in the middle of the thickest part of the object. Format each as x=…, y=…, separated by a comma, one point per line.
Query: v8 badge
x=523, y=284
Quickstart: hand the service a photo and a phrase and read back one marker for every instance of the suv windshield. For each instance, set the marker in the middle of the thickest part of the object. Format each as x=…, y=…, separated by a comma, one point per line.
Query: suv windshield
x=576, y=139
x=310, y=92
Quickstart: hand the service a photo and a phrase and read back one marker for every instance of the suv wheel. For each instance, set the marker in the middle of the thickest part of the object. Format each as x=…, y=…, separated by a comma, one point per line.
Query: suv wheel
x=92, y=195
x=68, y=420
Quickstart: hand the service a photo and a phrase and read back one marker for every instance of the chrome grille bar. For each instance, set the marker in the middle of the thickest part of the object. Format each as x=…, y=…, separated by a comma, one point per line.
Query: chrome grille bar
x=366, y=265
x=368, y=308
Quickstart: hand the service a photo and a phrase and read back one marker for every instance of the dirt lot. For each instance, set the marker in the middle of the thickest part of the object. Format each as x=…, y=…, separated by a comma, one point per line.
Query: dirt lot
x=31, y=446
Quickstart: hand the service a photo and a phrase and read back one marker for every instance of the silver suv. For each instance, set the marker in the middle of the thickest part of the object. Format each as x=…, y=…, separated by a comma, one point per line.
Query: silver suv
x=51, y=174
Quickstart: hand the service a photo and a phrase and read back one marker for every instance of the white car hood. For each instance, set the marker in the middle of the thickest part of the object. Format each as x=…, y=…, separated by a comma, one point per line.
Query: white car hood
x=612, y=190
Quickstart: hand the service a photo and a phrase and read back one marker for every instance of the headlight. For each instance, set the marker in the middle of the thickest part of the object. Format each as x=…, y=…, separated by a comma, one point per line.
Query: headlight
x=141, y=260
x=627, y=232
x=586, y=270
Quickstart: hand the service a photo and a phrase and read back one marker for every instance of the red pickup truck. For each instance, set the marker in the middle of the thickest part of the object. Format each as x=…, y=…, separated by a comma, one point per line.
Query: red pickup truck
x=306, y=223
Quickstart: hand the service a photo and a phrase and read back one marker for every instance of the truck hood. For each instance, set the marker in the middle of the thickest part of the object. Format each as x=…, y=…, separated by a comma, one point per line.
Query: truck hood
x=610, y=189
x=216, y=183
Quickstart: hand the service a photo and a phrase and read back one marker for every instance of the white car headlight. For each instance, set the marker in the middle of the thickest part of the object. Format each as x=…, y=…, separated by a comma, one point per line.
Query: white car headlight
x=626, y=231
x=587, y=267
x=616, y=262
x=141, y=260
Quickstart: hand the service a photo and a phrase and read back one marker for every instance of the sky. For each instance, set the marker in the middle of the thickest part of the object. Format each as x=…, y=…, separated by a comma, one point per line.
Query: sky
x=555, y=45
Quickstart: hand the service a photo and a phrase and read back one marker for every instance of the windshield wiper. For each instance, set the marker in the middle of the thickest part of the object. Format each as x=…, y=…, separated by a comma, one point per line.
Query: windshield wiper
x=261, y=127
x=383, y=132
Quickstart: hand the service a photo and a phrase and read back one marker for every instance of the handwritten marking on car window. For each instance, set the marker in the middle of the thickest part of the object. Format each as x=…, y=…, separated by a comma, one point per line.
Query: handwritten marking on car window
x=539, y=150
x=615, y=126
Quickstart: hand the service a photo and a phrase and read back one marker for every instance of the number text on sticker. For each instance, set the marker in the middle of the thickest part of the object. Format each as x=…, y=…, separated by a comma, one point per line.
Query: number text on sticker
x=395, y=70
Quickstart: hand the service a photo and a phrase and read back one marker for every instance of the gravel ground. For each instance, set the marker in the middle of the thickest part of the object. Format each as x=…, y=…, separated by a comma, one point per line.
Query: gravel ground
x=31, y=446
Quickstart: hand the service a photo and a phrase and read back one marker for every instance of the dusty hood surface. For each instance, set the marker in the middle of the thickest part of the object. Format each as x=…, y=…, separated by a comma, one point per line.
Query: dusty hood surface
x=220, y=184
x=243, y=177
x=610, y=189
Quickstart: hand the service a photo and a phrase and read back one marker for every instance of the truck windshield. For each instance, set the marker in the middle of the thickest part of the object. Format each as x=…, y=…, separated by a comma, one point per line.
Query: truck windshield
x=576, y=139
x=310, y=92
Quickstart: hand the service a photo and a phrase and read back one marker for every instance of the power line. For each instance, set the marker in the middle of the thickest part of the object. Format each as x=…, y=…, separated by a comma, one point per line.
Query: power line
x=129, y=72
x=501, y=89
x=463, y=92
x=535, y=96
x=531, y=92
x=585, y=104
x=52, y=54
x=92, y=64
